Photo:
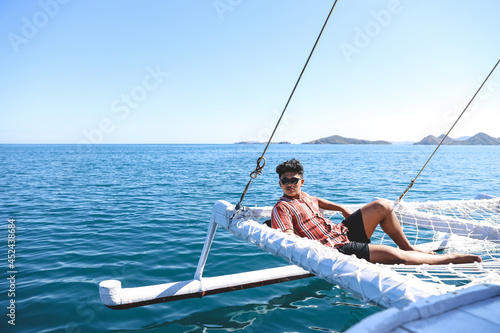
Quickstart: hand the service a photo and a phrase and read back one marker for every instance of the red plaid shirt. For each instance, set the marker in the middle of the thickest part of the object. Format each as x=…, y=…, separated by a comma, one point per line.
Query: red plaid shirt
x=304, y=218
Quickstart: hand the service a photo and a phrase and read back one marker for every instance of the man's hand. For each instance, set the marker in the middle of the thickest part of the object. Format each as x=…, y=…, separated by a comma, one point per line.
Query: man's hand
x=328, y=205
x=346, y=212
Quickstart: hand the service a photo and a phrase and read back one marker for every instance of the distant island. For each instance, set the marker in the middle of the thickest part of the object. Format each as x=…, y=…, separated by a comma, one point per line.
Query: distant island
x=340, y=140
x=478, y=139
x=258, y=143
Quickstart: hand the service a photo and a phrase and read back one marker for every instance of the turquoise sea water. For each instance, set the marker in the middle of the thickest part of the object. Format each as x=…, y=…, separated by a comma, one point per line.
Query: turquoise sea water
x=139, y=214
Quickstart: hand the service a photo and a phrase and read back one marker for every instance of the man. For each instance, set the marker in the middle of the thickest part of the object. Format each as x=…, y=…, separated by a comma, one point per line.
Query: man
x=297, y=213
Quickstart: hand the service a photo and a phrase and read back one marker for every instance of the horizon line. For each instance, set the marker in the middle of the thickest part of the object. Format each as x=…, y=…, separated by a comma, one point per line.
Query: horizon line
x=398, y=142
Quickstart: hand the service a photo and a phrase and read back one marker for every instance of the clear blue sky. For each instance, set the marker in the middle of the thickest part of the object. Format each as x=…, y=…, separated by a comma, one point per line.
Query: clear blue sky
x=221, y=71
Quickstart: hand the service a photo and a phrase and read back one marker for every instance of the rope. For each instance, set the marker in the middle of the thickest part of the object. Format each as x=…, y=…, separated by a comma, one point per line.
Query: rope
x=446, y=136
x=261, y=161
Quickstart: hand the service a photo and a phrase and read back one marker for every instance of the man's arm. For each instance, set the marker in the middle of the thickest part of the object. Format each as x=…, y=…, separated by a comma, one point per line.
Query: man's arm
x=328, y=205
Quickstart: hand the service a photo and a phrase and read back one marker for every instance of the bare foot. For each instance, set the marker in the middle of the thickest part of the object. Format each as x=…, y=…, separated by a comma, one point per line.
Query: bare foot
x=463, y=258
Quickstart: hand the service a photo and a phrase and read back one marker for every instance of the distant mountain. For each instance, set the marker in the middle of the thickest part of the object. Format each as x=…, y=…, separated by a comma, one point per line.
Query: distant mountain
x=478, y=139
x=432, y=140
x=482, y=139
x=340, y=140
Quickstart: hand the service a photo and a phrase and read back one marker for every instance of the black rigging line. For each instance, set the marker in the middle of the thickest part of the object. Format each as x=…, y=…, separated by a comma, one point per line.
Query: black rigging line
x=261, y=161
x=444, y=138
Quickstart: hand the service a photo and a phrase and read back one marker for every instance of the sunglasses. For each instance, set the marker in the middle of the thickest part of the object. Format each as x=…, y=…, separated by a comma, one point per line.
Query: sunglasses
x=293, y=180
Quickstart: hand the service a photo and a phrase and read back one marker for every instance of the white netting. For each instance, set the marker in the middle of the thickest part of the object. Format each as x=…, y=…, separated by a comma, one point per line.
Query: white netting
x=465, y=226
x=458, y=226
x=462, y=226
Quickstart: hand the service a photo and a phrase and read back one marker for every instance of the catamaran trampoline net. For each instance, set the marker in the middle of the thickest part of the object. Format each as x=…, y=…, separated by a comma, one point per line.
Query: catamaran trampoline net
x=458, y=226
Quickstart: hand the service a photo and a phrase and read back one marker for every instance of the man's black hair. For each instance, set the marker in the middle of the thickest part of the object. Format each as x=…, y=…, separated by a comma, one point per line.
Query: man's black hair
x=292, y=165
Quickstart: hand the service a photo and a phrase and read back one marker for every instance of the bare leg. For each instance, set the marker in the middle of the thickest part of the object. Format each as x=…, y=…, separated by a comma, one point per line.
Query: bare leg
x=380, y=212
x=384, y=254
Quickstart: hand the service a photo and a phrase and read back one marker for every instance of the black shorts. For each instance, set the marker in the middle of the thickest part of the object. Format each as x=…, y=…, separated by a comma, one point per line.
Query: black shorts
x=358, y=240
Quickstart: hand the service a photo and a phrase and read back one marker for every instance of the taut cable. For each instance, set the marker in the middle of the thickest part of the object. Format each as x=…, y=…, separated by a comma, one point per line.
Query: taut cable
x=261, y=161
x=444, y=138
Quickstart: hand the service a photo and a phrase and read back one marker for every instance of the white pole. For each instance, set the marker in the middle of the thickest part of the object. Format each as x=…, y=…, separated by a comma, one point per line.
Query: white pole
x=212, y=227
